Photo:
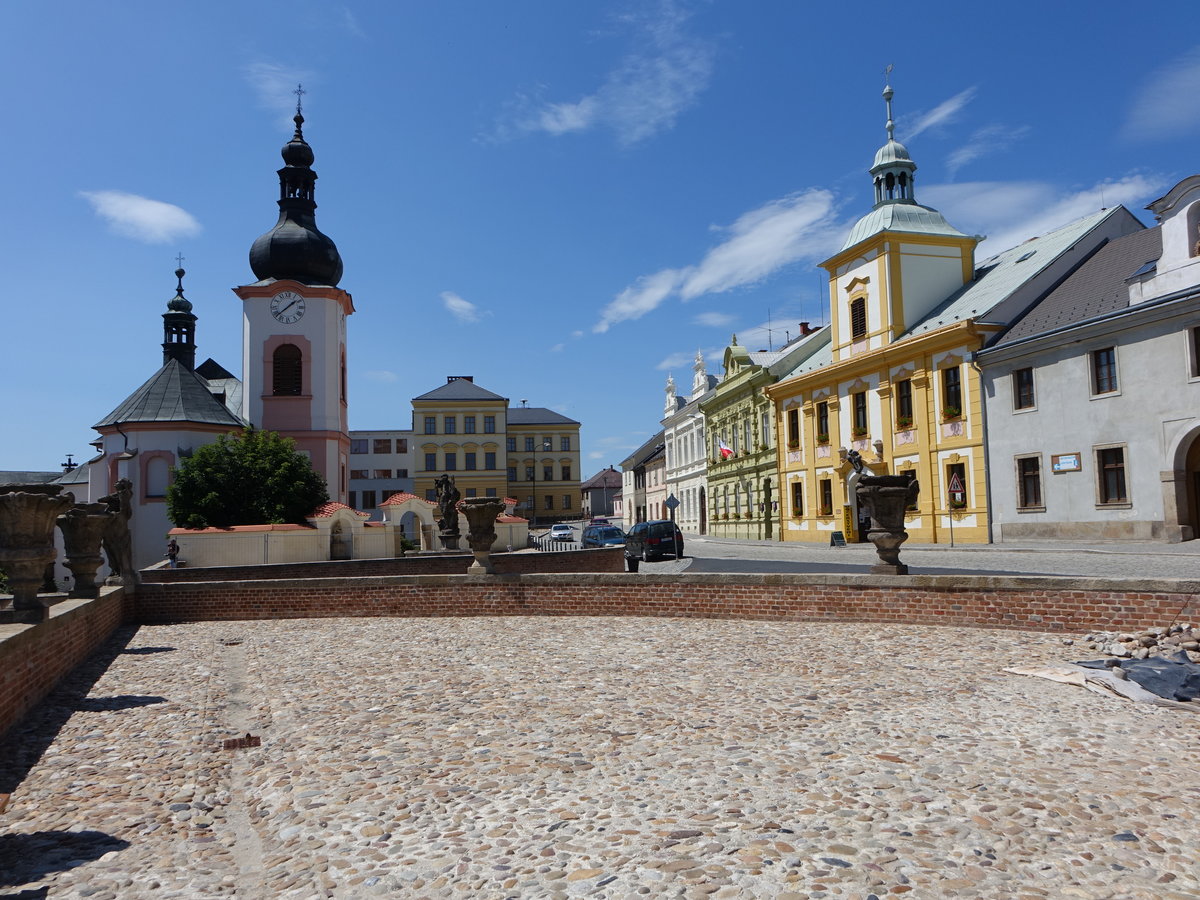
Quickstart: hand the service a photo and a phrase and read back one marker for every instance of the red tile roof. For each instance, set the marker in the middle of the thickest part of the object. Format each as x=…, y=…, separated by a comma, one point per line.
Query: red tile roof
x=325, y=510
x=240, y=528
x=404, y=497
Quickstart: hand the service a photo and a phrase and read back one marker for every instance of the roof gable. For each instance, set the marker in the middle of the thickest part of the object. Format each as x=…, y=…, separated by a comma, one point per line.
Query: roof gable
x=460, y=390
x=173, y=394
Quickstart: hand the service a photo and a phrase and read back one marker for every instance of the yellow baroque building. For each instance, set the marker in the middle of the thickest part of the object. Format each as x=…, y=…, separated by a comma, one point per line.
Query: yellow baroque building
x=897, y=382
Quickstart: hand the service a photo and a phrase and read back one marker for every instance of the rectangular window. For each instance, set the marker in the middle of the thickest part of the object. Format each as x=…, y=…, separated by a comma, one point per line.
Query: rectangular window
x=1022, y=387
x=858, y=319
x=468, y=424
x=381, y=445
x=451, y=462
x=469, y=461
x=797, y=499
x=564, y=444
x=1194, y=351
x=1029, y=482
x=430, y=462
x=510, y=444
x=793, y=420
x=431, y=495
x=826, y=497
x=489, y=460
x=382, y=473
x=547, y=444
x=489, y=424
x=528, y=445
x=472, y=492
x=358, y=473
x=860, y=413
x=956, y=485
x=1104, y=370
x=489, y=492
x=746, y=434
x=529, y=473
x=401, y=445
x=431, y=424
x=512, y=473
x=566, y=501
x=354, y=499
x=547, y=473
x=1110, y=468
x=951, y=393
x=358, y=445
x=402, y=473
x=904, y=406
x=566, y=473
x=766, y=429
x=823, y=422
x=368, y=498
x=451, y=424
x=548, y=501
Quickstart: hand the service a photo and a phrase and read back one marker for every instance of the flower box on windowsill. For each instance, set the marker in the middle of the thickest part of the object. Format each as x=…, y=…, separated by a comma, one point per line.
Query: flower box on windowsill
x=822, y=439
x=904, y=423
x=957, y=504
x=860, y=433
x=950, y=413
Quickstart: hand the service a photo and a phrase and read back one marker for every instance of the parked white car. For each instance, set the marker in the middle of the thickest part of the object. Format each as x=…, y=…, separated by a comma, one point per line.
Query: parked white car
x=562, y=533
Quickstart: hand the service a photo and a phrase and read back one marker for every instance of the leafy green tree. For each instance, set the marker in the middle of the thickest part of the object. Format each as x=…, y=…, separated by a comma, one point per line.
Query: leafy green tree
x=252, y=478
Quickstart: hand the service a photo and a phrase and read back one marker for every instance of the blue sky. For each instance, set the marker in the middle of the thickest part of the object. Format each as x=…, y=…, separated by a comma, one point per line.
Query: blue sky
x=565, y=200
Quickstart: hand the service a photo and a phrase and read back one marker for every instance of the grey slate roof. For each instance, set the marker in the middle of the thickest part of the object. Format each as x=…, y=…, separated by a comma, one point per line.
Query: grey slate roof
x=78, y=475
x=1000, y=278
x=644, y=452
x=21, y=477
x=460, y=389
x=1095, y=288
x=605, y=478
x=537, y=415
x=173, y=394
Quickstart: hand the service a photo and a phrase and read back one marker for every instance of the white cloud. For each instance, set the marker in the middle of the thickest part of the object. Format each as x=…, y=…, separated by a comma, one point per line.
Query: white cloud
x=714, y=319
x=275, y=85
x=1011, y=212
x=639, y=298
x=1166, y=105
x=140, y=218
x=463, y=310
x=662, y=76
x=986, y=140
x=760, y=243
x=577, y=333
x=596, y=454
x=939, y=115
x=675, y=362
x=382, y=375
x=557, y=348
x=350, y=23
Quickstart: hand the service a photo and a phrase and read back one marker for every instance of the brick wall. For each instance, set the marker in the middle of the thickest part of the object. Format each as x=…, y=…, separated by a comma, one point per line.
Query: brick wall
x=34, y=657
x=1033, y=603
x=596, y=560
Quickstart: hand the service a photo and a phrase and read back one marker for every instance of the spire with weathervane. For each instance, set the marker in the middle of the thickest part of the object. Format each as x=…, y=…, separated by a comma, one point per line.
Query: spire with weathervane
x=179, y=326
x=893, y=168
x=295, y=248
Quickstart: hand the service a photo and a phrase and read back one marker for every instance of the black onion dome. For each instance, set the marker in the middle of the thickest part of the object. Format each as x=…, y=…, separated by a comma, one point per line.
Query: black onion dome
x=179, y=303
x=295, y=248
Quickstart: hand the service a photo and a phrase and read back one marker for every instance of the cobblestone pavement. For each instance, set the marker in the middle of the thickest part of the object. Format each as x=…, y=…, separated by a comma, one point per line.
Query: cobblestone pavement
x=1100, y=559
x=584, y=757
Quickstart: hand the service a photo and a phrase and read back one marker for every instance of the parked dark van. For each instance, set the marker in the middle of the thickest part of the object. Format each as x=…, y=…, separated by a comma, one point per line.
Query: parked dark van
x=654, y=540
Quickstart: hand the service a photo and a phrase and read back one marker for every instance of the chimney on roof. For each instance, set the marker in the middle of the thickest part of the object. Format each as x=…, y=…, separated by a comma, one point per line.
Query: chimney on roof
x=452, y=378
x=805, y=328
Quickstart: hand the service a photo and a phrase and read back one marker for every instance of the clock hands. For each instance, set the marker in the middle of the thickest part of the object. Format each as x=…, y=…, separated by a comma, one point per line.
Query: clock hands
x=289, y=306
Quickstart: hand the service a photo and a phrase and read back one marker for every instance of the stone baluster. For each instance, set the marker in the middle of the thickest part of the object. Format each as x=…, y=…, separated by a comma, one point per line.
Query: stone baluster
x=28, y=513
x=83, y=527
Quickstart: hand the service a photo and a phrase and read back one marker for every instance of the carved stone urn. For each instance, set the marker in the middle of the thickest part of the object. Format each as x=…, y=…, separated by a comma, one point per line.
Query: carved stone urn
x=83, y=527
x=481, y=515
x=27, y=517
x=885, y=498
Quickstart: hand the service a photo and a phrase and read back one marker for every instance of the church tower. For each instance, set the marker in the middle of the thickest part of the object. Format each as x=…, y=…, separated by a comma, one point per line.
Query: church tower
x=899, y=261
x=294, y=326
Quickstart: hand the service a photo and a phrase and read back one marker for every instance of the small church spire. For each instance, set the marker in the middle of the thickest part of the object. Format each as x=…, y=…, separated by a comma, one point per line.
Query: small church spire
x=892, y=171
x=887, y=97
x=179, y=326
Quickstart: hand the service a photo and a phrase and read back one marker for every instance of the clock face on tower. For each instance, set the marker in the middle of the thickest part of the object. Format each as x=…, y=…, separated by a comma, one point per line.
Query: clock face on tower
x=287, y=307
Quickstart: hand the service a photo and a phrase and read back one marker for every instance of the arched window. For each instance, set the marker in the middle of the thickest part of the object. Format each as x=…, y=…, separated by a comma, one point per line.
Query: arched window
x=288, y=372
x=858, y=318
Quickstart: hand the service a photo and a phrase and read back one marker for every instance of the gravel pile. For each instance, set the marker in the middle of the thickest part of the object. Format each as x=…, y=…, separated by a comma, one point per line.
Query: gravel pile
x=1144, y=644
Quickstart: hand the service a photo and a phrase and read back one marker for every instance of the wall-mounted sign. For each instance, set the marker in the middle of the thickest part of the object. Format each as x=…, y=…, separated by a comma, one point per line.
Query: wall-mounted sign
x=1065, y=462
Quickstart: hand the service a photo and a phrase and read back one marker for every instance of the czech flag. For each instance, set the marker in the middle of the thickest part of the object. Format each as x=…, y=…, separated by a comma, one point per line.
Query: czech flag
x=724, y=449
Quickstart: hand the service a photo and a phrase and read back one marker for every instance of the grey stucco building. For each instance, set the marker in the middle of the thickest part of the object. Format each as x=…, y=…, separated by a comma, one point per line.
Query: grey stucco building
x=1092, y=399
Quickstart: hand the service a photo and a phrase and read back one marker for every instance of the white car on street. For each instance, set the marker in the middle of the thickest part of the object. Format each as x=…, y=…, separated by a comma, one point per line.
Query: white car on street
x=561, y=533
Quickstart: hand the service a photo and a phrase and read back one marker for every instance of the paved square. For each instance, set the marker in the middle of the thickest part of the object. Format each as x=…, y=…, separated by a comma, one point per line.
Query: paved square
x=614, y=757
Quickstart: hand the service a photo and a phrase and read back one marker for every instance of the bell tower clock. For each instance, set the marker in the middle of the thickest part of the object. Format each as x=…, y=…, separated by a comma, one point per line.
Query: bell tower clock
x=294, y=326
